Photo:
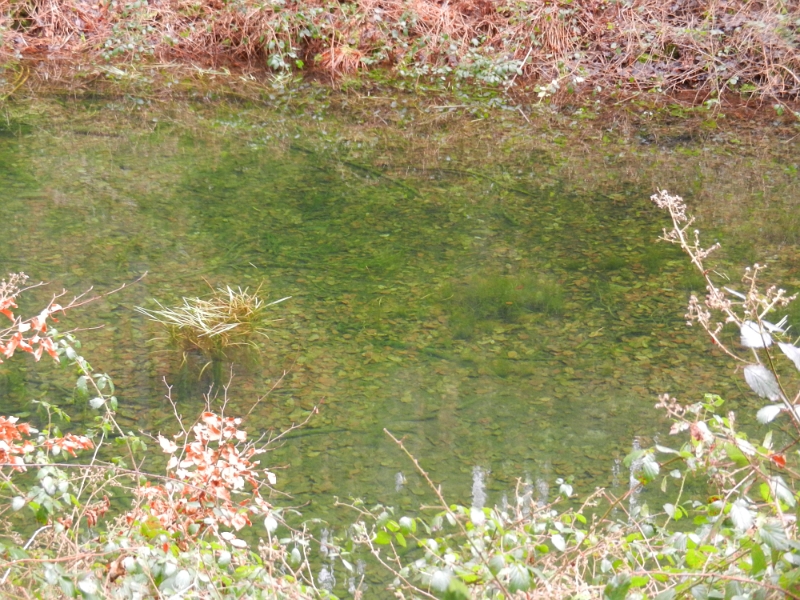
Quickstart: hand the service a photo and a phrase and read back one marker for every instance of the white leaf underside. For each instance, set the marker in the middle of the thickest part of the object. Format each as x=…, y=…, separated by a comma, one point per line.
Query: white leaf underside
x=762, y=382
x=754, y=336
x=791, y=352
x=741, y=516
x=768, y=413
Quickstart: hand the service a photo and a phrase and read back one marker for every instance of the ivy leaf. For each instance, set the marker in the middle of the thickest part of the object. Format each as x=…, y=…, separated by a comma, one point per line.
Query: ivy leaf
x=762, y=382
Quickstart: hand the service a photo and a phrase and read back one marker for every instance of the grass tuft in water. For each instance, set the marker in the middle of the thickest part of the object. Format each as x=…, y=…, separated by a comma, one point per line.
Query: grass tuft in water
x=213, y=326
x=495, y=299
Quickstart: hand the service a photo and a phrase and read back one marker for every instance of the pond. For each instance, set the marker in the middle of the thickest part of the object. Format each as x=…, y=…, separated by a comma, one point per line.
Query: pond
x=492, y=291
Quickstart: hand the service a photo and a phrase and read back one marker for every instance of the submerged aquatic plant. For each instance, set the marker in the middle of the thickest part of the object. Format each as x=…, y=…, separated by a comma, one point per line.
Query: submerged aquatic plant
x=504, y=299
x=227, y=319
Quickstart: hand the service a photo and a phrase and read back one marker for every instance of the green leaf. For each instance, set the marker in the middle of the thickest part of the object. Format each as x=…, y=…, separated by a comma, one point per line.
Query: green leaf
x=695, y=558
x=735, y=454
x=759, y=560
x=382, y=538
x=408, y=525
x=519, y=578
x=400, y=539
x=639, y=581
x=496, y=563
x=774, y=536
x=666, y=595
x=392, y=526
x=733, y=589
x=628, y=461
x=617, y=588
x=456, y=590
x=782, y=491
x=790, y=578
x=765, y=493
x=17, y=553
x=68, y=587
x=42, y=514
x=650, y=467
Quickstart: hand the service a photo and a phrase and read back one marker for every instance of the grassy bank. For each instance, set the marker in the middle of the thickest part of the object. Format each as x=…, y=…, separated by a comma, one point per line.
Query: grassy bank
x=550, y=49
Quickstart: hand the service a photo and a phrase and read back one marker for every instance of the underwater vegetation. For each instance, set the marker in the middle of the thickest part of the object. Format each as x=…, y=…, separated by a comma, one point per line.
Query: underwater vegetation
x=488, y=300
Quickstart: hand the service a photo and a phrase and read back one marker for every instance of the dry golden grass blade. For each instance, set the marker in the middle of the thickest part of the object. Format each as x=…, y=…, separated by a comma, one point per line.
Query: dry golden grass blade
x=226, y=319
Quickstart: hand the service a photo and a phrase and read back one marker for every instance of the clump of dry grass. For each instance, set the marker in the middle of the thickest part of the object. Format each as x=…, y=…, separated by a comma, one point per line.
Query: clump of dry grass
x=227, y=319
x=730, y=46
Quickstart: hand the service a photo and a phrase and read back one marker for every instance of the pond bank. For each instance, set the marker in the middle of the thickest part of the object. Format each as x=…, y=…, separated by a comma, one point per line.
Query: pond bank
x=550, y=50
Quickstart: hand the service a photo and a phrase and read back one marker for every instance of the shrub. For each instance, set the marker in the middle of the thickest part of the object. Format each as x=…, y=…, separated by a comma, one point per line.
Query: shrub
x=91, y=523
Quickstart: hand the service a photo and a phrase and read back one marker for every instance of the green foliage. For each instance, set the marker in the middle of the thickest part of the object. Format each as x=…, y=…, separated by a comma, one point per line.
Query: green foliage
x=94, y=525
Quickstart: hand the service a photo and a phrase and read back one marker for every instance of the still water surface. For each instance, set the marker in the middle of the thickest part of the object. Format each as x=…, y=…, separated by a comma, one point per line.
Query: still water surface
x=509, y=313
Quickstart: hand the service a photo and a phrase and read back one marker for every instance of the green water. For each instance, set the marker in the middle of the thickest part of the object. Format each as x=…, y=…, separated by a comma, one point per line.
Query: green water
x=501, y=304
